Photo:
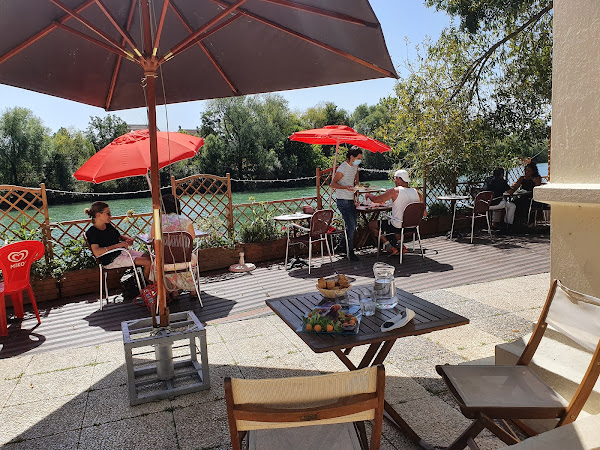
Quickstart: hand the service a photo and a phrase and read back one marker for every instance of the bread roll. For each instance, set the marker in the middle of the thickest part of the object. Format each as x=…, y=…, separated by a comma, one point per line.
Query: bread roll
x=331, y=284
x=322, y=283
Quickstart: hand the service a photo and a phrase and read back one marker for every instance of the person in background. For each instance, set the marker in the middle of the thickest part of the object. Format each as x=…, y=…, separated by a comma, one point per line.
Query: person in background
x=172, y=220
x=498, y=185
x=103, y=237
x=401, y=196
x=344, y=181
x=530, y=179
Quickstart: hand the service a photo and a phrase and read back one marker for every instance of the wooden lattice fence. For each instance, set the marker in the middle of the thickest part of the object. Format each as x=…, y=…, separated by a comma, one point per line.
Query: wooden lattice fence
x=130, y=225
x=24, y=211
x=206, y=195
x=245, y=212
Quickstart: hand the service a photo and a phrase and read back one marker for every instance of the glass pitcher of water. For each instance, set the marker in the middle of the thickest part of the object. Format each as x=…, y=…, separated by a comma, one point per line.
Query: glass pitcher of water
x=384, y=289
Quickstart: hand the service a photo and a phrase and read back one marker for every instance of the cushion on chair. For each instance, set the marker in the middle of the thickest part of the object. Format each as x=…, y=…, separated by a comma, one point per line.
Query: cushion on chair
x=177, y=267
x=339, y=436
x=501, y=387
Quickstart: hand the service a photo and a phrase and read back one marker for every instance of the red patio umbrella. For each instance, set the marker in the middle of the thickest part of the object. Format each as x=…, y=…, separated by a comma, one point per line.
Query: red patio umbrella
x=336, y=135
x=129, y=155
x=109, y=53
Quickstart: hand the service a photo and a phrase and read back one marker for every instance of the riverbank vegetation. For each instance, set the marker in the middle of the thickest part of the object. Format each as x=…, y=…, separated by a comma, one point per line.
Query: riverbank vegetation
x=478, y=97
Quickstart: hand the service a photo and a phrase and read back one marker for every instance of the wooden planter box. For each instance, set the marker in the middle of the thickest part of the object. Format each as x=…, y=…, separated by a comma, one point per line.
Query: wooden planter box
x=429, y=227
x=44, y=290
x=87, y=281
x=218, y=257
x=265, y=251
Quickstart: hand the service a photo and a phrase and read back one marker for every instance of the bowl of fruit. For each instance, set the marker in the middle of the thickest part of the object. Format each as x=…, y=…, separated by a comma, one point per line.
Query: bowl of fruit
x=333, y=287
x=332, y=318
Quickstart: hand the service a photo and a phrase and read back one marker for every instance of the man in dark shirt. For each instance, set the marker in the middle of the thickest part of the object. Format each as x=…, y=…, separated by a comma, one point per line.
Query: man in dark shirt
x=498, y=185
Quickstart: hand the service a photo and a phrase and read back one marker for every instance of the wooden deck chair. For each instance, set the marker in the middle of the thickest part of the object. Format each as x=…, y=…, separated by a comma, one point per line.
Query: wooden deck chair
x=516, y=393
x=270, y=412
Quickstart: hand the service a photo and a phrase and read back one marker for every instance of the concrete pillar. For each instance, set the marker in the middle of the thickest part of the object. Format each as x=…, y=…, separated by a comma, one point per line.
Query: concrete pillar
x=574, y=190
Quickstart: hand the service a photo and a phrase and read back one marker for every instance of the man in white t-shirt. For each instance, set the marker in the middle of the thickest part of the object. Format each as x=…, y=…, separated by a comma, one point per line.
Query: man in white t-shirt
x=401, y=195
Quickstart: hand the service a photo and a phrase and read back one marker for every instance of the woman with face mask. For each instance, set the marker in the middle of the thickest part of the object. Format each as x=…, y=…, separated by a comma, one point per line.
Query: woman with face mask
x=344, y=181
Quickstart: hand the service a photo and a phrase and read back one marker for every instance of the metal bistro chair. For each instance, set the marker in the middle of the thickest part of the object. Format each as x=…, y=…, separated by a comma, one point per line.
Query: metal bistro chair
x=15, y=263
x=534, y=207
x=341, y=231
x=411, y=220
x=481, y=208
x=104, y=272
x=271, y=413
x=178, y=250
x=486, y=393
x=319, y=226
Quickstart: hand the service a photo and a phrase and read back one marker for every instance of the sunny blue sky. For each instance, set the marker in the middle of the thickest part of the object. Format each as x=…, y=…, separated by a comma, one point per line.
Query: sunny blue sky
x=400, y=20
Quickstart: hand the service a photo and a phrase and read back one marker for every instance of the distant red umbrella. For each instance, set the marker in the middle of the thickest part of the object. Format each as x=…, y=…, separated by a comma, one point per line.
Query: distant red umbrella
x=336, y=135
x=129, y=155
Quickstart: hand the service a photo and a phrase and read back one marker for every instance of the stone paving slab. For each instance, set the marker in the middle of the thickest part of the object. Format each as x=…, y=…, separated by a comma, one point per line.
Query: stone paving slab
x=78, y=399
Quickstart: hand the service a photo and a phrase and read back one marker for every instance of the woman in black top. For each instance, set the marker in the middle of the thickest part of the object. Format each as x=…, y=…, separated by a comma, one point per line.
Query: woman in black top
x=103, y=237
x=527, y=182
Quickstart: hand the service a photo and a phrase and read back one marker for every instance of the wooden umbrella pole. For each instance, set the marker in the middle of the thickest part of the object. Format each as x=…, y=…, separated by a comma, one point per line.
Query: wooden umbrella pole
x=150, y=66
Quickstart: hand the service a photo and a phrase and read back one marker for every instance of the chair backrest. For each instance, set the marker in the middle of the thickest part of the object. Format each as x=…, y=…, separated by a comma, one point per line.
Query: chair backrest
x=577, y=316
x=320, y=222
x=15, y=263
x=178, y=247
x=413, y=213
x=90, y=247
x=305, y=401
x=482, y=202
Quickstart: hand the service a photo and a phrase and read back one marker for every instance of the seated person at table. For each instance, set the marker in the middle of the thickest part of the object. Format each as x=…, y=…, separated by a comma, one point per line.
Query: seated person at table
x=103, y=237
x=498, y=185
x=401, y=195
x=173, y=221
x=527, y=182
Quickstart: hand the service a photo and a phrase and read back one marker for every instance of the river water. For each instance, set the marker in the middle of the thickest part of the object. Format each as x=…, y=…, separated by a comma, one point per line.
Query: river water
x=74, y=211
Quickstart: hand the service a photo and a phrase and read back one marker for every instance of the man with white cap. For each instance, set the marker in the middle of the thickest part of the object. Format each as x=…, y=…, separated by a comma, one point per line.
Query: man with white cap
x=401, y=195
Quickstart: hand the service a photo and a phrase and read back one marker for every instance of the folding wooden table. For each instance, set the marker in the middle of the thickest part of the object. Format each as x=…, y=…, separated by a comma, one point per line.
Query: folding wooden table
x=428, y=318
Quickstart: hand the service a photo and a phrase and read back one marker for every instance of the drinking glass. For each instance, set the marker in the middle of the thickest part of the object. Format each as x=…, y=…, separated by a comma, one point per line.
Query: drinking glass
x=367, y=306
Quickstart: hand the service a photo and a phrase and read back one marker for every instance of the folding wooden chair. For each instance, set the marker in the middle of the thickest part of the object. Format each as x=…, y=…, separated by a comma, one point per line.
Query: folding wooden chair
x=516, y=393
x=271, y=412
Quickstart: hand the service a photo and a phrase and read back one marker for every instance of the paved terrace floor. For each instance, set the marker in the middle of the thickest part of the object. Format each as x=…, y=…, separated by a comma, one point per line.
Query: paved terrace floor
x=229, y=297
x=77, y=398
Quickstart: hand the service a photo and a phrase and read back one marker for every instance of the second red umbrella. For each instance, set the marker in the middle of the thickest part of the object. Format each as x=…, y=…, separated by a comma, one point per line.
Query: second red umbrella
x=129, y=155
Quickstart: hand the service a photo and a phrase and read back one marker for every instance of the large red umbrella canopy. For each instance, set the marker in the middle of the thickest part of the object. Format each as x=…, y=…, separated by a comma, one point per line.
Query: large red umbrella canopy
x=129, y=155
x=339, y=134
x=120, y=54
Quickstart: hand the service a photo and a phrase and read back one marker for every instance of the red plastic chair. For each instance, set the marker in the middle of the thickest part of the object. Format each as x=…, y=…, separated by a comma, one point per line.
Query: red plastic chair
x=15, y=264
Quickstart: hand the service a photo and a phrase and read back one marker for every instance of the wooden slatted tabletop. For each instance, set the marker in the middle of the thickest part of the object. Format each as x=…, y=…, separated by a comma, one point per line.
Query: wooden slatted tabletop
x=428, y=318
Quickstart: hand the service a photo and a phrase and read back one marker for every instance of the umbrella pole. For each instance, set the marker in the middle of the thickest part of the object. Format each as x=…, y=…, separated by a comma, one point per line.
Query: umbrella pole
x=337, y=146
x=150, y=68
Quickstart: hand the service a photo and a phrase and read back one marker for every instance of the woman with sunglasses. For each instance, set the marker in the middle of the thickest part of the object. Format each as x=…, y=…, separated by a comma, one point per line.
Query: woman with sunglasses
x=103, y=237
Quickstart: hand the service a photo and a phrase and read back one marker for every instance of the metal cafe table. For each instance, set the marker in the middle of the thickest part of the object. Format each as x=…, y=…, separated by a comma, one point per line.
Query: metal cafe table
x=428, y=318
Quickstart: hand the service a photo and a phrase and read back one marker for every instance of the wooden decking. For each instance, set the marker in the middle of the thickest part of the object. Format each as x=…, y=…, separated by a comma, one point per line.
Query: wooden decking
x=229, y=296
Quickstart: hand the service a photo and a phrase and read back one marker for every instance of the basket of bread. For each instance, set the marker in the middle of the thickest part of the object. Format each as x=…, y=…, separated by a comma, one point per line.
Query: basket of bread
x=333, y=287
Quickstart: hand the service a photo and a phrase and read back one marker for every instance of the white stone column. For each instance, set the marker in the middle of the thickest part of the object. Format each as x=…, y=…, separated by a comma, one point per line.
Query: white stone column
x=574, y=190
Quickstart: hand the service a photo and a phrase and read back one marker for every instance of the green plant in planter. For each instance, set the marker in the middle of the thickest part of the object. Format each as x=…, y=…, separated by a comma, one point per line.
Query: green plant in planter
x=438, y=209
x=76, y=255
x=215, y=238
x=261, y=226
